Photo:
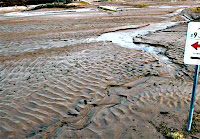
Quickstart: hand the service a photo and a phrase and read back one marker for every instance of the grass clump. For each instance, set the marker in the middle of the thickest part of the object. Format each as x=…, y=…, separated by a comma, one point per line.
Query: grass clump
x=140, y=5
x=195, y=10
x=171, y=133
x=79, y=3
x=84, y=3
x=183, y=133
x=175, y=135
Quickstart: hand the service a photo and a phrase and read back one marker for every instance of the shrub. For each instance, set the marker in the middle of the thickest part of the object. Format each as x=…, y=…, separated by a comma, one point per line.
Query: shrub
x=84, y=3
x=195, y=10
x=171, y=133
x=140, y=5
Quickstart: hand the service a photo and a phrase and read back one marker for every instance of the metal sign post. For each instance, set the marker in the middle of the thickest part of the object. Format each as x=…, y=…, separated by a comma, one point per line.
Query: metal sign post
x=192, y=56
x=196, y=75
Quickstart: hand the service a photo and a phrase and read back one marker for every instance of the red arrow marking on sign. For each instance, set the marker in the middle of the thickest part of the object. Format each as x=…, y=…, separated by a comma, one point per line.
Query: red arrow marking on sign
x=195, y=45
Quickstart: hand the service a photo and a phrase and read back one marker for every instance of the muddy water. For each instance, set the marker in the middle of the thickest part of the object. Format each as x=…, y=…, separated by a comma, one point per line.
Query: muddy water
x=126, y=39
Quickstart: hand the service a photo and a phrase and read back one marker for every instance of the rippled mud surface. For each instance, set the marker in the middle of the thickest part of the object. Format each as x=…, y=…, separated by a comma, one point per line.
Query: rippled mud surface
x=66, y=77
x=65, y=87
x=87, y=89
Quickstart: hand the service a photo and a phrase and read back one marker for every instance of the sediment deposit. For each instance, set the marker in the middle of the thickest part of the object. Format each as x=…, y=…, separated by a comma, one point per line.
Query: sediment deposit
x=54, y=83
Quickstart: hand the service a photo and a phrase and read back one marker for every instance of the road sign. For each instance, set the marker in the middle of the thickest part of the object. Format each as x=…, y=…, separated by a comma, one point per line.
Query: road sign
x=192, y=56
x=192, y=45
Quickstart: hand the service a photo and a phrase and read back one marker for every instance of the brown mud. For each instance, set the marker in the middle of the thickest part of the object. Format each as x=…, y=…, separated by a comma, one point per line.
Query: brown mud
x=92, y=90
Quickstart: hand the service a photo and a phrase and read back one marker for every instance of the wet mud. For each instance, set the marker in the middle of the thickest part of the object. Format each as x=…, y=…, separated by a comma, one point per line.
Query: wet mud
x=89, y=86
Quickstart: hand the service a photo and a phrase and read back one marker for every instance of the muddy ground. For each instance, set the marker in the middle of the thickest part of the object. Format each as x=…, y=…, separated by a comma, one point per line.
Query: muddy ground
x=54, y=83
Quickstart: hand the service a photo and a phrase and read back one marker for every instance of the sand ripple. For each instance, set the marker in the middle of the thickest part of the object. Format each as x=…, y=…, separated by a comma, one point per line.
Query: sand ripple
x=96, y=90
x=41, y=92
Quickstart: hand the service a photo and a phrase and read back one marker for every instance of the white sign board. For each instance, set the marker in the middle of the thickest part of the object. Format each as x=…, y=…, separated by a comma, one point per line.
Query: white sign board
x=192, y=46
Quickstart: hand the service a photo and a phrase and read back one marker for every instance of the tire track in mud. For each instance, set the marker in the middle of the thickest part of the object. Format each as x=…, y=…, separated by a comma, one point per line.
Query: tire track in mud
x=40, y=91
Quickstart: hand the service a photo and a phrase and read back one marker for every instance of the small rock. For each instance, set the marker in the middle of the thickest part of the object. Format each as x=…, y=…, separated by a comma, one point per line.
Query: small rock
x=164, y=112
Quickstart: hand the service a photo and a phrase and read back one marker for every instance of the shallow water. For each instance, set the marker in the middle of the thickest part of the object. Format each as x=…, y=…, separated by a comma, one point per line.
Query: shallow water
x=126, y=39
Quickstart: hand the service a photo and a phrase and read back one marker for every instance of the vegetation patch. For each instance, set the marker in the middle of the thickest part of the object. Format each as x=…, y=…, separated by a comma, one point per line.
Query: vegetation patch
x=79, y=3
x=140, y=5
x=182, y=134
x=51, y=5
x=195, y=10
x=84, y=3
x=171, y=133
